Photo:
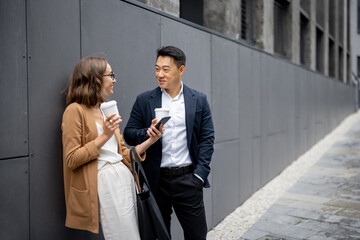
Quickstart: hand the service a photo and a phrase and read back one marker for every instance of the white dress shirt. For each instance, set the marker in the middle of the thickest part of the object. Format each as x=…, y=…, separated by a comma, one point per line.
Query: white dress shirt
x=175, y=152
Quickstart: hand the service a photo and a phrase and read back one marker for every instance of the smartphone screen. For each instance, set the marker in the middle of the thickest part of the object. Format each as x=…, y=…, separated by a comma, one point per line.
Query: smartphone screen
x=162, y=121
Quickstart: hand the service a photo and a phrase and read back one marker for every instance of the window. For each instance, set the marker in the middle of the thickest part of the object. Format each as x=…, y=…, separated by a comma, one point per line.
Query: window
x=243, y=19
x=192, y=10
x=331, y=64
x=340, y=22
x=247, y=20
x=304, y=31
x=332, y=17
x=341, y=64
x=319, y=50
x=280, y=11
x=320, y=12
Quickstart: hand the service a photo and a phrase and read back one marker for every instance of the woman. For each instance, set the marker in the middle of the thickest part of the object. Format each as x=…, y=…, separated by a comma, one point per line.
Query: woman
x=95, y=159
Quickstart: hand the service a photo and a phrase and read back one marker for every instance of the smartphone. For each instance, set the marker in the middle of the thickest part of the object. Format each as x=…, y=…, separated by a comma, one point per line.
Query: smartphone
x=162, y=121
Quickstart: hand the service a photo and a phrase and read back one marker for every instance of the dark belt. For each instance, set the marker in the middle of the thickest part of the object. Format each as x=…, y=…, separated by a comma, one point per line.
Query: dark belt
x=176, y=171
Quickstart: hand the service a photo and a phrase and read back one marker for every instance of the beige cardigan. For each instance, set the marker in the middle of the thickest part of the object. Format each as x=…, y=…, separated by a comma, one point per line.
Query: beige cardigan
x=80, y=166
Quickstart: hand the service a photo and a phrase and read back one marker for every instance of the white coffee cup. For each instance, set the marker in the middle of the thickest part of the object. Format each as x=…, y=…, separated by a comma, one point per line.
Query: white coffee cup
x=109, y=107
x=161, y=113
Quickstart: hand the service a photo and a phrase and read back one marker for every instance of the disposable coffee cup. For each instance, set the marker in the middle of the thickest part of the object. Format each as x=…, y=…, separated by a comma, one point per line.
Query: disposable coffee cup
x=109, y=107
x=161, y=113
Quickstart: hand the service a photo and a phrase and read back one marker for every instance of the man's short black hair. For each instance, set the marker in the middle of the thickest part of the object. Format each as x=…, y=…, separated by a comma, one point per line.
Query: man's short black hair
x=174, y=52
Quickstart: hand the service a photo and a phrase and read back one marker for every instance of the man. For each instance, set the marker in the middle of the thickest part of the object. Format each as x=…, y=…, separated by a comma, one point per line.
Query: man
x=177, y=167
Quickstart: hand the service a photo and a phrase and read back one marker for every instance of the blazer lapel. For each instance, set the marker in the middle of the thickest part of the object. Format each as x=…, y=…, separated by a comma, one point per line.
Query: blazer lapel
x=190, y=108
x=155, y=101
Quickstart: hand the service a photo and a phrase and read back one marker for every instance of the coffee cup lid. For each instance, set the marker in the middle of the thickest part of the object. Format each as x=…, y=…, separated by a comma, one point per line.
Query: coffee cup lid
x=161, y=109
x=108, y=104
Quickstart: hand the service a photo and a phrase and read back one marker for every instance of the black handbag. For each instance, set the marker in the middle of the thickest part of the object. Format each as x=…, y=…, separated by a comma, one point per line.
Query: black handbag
x=151, y=223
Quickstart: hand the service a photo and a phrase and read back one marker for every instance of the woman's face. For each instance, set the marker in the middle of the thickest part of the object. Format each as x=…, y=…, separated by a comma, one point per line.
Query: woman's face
x=108, y=81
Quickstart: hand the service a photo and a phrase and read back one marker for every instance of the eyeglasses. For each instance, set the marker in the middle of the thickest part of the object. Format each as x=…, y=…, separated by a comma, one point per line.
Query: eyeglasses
x=112, y=75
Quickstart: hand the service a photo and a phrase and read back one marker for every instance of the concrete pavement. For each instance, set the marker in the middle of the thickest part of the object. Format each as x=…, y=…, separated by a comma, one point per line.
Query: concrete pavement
x=324, y=203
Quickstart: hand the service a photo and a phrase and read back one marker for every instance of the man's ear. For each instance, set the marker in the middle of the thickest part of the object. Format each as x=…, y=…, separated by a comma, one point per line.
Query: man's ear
x=182, y=70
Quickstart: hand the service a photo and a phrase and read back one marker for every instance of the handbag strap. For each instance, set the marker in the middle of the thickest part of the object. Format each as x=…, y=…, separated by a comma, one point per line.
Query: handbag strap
x=140, y=167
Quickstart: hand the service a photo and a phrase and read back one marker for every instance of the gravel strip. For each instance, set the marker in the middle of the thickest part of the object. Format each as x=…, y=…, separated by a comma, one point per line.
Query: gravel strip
x=242, y=218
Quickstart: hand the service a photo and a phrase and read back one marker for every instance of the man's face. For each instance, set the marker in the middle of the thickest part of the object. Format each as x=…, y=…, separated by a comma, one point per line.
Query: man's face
x=168, y=75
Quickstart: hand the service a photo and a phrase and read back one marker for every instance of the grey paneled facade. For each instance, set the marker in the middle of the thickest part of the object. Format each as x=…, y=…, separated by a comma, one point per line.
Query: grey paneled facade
x=225, y=85
x=266, y=111
x=13, y=93
x=245, y=123
x=54, y=46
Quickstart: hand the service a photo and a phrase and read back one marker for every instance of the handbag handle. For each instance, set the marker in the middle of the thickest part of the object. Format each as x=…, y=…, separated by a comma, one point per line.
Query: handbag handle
x=140, y=167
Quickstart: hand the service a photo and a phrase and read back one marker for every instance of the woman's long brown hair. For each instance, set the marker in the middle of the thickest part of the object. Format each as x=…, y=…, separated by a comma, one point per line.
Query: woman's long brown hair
x=85, y=83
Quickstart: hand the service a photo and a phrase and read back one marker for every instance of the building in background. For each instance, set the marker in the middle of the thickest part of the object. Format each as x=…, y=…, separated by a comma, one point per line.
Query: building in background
x=355, y=37
x=313, y=33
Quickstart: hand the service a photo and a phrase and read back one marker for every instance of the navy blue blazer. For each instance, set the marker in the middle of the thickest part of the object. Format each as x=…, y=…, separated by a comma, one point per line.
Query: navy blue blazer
x=199, y=130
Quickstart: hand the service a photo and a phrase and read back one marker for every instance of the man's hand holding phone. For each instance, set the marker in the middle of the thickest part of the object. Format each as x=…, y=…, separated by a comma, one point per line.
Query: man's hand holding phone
x=157, y=128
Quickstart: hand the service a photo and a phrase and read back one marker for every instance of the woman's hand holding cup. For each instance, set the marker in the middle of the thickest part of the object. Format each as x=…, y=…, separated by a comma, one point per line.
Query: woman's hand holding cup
x=111, y=124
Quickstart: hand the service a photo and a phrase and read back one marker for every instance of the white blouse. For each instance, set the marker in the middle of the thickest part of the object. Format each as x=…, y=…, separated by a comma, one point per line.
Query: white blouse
x=108, y=152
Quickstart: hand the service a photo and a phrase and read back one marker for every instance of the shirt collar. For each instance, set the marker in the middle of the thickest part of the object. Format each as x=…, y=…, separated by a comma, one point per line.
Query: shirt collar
x=178, y=96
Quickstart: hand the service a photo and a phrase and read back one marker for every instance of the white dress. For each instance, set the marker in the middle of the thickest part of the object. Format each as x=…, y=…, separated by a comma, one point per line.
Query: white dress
x=116, y=191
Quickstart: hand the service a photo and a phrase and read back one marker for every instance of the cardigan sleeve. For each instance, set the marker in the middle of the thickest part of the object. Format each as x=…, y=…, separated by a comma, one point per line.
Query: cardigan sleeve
x=75, y=152
x=125, y=152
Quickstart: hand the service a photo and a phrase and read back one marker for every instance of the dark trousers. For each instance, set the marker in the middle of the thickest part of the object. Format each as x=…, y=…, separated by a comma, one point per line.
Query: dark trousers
x=184, y=194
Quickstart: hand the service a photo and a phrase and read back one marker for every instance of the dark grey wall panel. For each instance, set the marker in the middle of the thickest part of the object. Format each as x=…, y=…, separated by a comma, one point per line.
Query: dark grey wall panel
x=274, y=126
x=256, y=163
x=271, y=126
x=311, y=107
x=256, y=115
x=225, y=177
x=304, y=108
x=54, y=46
x=297, y=123
x=290, y=114
x=13, y=91
x=245, y=122
x=225, y=85
x=198, y=53
x=320, y=106
x=128, y=37
x=332, y=102
x=283, y=103
x=256, y=98
x=265, y=112
x=14, y=199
